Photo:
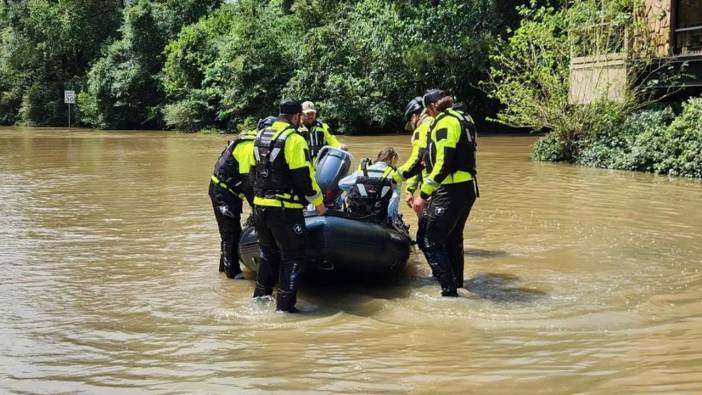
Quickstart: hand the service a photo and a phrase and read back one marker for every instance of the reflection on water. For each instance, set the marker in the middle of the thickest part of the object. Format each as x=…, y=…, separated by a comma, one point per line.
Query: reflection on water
x=578, y=280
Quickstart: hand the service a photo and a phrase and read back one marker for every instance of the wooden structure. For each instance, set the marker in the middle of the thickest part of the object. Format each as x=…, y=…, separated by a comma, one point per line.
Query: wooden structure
x=675, y=28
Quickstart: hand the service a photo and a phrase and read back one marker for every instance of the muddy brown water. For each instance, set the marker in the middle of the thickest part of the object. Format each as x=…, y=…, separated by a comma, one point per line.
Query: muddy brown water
x=578, y=281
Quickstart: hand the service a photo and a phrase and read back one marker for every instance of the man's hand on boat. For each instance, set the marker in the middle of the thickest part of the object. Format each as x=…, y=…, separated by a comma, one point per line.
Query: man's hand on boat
x=321, y=209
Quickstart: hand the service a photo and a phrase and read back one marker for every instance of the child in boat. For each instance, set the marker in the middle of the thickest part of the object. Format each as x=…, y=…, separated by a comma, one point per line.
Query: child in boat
x=370, y=192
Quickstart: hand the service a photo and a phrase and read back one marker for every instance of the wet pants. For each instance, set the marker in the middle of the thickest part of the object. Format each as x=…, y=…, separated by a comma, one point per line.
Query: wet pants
x=227, y=211
x=281, y=237
x=440, y=233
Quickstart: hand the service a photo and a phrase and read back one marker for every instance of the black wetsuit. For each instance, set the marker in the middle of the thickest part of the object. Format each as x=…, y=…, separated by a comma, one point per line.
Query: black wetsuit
x=283, y=184
x=450, y=187
x=227, y=188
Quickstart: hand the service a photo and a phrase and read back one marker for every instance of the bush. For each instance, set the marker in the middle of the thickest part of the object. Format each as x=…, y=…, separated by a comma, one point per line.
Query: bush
x=230, y=66
x=42, y=104
x=531, y=75
x=549, y=148
x=628, y=144
x=359, y=60
x=256, y=62
x=651, y=140
x=681, y=152
x=10, y=102
x=156, y=63
x=186, y=115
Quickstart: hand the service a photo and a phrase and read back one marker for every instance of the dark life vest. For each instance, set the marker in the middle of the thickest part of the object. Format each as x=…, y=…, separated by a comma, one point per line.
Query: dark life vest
x=369, y=197
x=273, y=178
x=226, y=169
x=466, y=149
x=315, y=138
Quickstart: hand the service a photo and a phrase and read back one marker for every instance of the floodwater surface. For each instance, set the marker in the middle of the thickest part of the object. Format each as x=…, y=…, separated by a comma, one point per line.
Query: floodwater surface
x=578, y=280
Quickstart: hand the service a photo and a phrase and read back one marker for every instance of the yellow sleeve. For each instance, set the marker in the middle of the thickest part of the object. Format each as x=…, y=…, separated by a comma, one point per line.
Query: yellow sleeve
x=329, y=137
x=303, y=177
x=413, y=165
x=413, y=183
x=297, y=152
x=414, y=159
x=245, y=156
x=444, y=136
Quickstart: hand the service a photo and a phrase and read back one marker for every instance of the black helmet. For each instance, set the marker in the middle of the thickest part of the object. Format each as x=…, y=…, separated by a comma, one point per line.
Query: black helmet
x=265, y=122
x=414, y=106
x=290, y=107
x=432, y=96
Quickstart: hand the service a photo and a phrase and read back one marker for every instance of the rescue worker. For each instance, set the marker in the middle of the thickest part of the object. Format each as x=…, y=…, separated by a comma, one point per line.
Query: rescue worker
x=229, y=186
x=284, y=182
x=449, y=190
x=371, y=192
x=414, y=115
x=317, y=133
x=418, y=122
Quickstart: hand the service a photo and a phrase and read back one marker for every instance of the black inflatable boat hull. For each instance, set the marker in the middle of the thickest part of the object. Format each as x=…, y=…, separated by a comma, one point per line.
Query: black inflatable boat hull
x=342, y=245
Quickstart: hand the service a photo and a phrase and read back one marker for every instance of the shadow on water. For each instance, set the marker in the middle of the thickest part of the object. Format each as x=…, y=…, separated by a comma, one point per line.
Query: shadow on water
x=356, y=293
x=501, y=287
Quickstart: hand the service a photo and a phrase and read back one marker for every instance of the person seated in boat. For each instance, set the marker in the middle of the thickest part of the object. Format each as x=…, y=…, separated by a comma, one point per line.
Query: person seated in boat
x=370, y=192
x=317, y=133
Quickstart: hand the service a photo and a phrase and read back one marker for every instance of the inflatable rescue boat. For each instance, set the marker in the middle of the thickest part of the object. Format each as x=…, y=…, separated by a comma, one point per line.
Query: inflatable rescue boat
x=336, y=242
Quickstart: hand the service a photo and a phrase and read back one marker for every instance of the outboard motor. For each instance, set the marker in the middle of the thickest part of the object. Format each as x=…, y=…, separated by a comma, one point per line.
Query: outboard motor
x=332, y=165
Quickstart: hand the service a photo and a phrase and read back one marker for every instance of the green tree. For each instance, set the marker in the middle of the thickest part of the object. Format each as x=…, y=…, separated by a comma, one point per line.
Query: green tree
x=230, y=66
x=44, y=51
x=377, y=55
x=157, y=63
x=124, y=87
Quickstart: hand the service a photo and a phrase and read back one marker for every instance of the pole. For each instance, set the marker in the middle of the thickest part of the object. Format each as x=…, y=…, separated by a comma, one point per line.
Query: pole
x=69, y=115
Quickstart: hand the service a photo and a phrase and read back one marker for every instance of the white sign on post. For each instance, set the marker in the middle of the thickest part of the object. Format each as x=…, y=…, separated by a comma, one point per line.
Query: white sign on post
x=69, y=97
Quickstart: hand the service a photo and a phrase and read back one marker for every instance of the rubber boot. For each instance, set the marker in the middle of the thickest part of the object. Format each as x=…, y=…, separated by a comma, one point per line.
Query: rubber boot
x=441, y=268
x=266, y=274
x=287, y=286
x=262, y=290
x=221, y=256
x=457, y=260
x=421, y=226
x=231, y=261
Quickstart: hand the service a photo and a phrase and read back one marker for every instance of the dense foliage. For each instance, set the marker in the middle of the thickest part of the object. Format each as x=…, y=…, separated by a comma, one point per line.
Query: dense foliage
x=47, y=46
x=193, y=64
x=360, y=60
x=230, y=66
x=653, y=140
x=124, y=87
x=364, y=73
